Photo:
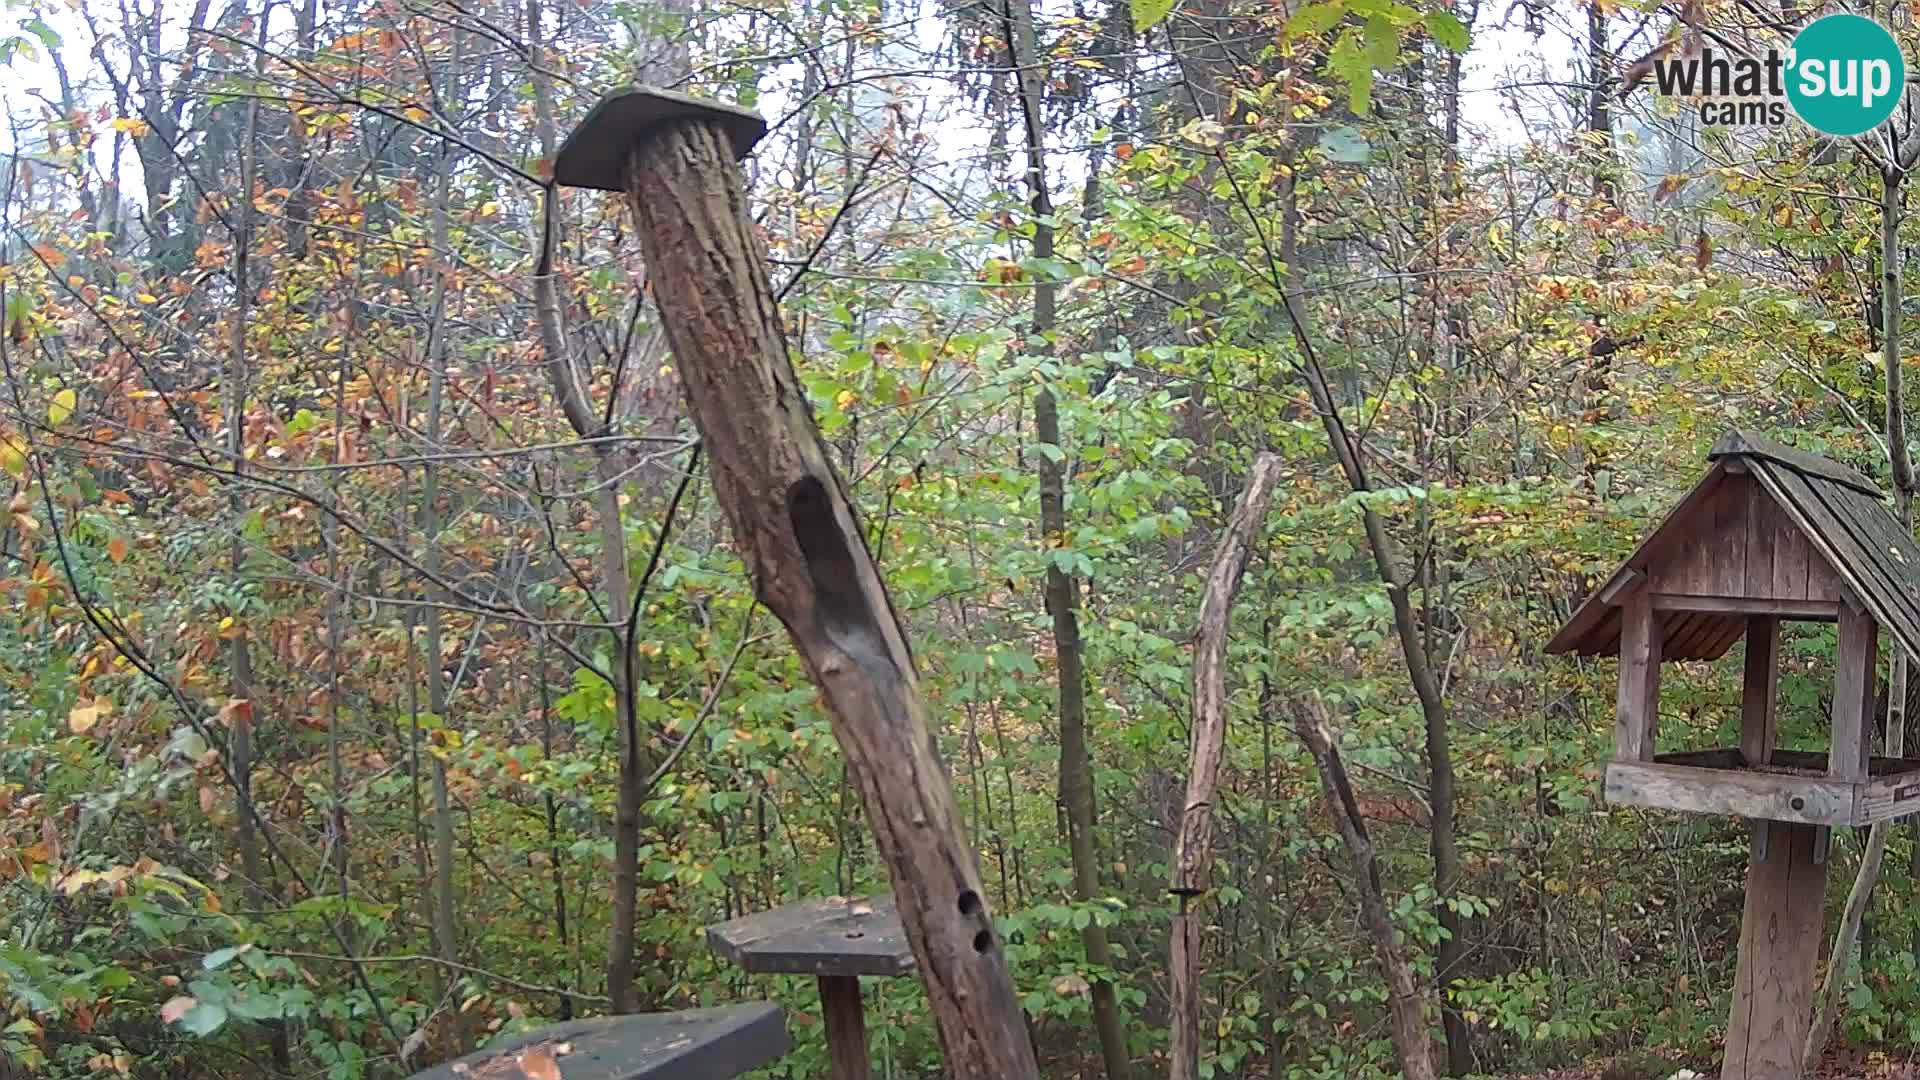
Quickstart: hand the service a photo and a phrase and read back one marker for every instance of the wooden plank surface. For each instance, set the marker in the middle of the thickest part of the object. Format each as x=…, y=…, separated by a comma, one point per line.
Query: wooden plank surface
x=1761, y=516
x=1637, y=716
x=1855, y=659
x=1743, y=444
x=1792, y=554
x=1580, y=635
x=1779, y=945
x=1810, y=800
x=697, y=1044
x=1844, y=533
x=830, y=936
x=1758, y=688
x=1803, y=610
x=1891, y=547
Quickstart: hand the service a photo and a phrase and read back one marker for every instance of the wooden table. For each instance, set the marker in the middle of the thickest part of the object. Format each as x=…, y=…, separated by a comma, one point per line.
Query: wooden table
x=836, y=940
x=697, y=1044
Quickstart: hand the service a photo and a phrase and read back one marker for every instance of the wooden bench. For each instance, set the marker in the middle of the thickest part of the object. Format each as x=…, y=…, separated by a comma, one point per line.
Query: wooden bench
x=696, y=1044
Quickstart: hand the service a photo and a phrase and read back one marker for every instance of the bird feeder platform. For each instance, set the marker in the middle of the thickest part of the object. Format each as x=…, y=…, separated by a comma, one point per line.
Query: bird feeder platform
x=1770, y=535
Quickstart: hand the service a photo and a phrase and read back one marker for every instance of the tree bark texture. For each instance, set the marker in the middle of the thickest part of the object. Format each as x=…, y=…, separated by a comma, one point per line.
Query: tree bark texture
x=805, y=549
x=1832, y=991
x=1193, y=847
x=1062, y=590
x=1406, y=1002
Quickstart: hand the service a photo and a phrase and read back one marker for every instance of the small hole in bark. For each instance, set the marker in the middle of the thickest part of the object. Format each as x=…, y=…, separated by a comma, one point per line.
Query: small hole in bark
x=1799, y=803
x=969, y=902
x=983, y=941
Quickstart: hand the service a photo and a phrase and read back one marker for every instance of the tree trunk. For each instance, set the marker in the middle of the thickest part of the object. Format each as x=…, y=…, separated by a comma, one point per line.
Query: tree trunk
x=1193, y=848
x=1832, y=991
x=614, y=582
x=805, y=549
x=446, y=933
x=1442, y=844
x=1406, y=1002
x=1062, y=591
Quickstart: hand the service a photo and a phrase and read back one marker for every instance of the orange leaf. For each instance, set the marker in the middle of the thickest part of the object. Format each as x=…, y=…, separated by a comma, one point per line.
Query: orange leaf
x=237, y=711
x=117, y=549
x=538, y=1064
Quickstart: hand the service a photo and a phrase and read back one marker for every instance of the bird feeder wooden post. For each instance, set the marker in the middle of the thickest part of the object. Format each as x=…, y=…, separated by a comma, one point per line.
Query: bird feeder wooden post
x=1770, y=534
x=675, y=157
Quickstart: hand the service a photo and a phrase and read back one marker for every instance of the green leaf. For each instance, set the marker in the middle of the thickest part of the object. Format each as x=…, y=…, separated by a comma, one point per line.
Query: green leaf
x=1316, y=19
x=38, y=28
x=204, y=1019
x=220, y=958
x=1350, y=65
x=1448, y=31
x=1149, y=13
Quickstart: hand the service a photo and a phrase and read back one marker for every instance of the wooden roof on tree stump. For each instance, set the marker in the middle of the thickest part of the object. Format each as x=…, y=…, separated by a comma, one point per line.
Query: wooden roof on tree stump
x=1775, y=528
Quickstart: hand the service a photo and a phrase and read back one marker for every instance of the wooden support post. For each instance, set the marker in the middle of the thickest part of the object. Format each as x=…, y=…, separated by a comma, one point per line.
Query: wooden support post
x=846, y=1020
x=1637, y=717
x=1779, y=945
x=1757, y=715
x=1759, y=688
x=802, y=543
x=1855, y=658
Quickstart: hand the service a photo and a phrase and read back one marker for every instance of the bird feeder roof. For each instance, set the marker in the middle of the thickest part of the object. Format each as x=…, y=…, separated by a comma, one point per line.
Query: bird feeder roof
x=595, y=154
x=1768, y=530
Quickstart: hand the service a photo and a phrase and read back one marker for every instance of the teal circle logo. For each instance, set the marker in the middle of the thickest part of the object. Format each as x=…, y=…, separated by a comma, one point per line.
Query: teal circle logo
x=1845, y=74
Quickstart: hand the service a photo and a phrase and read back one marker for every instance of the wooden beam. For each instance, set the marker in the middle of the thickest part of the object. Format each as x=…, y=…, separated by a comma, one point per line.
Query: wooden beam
x=1855, y=658
x=1779, y=945
x=1810, y=800
x=1758, y=689
x=1805, y=610
x=1623, y=579
x=1638, y=707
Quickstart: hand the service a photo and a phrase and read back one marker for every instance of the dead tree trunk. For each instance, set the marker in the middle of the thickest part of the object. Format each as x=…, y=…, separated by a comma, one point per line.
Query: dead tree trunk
x=1193, y=849
x=805, y=548
x=1407, y=1004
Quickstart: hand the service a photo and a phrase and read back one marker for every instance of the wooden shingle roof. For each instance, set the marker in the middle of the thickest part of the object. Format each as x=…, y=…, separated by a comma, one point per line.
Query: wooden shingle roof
x=1839, y=524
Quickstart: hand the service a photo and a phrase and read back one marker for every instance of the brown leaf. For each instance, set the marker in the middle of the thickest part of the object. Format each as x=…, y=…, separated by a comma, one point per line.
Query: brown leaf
x=538, y=1064
x=117, y=549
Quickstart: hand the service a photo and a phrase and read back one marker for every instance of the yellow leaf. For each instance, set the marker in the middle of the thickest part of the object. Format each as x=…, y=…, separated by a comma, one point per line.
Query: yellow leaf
x=13, y=457
x=81, y=718
x=62, y=406
x=147, y=298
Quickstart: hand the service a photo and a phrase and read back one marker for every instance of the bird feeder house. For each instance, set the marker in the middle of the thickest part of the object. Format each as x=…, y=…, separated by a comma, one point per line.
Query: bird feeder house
x=1770, y=534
